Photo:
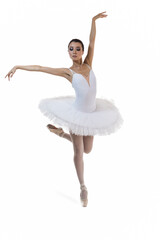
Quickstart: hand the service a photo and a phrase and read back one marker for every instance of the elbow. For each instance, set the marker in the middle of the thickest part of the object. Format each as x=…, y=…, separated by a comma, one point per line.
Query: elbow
x=92, y=40
x=91, y=44
x=38, y=68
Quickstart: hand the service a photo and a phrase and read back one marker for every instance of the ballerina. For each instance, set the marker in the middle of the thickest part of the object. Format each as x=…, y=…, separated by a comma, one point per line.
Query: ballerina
x=83, y=115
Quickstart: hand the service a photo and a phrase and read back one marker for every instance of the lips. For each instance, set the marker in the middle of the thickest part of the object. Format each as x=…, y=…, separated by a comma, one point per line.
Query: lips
x=74, y=55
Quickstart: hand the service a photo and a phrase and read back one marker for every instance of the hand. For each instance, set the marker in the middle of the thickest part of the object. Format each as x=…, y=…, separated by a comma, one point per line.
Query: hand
x=11, y=72
x=100, y=15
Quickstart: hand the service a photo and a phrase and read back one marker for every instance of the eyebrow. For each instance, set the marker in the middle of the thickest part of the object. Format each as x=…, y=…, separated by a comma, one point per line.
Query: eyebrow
x=77, y=46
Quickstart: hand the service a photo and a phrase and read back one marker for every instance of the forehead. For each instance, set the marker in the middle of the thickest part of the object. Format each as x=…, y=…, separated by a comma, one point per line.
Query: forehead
x=75, y=44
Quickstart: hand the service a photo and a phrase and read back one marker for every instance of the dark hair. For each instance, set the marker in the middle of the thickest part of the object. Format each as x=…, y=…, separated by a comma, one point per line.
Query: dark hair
x=77, y=40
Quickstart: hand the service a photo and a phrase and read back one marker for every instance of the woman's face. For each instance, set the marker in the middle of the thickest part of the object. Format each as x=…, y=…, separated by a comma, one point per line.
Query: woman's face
x=75, y=50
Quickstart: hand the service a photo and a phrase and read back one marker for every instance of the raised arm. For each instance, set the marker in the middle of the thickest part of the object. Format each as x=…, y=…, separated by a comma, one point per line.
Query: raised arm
x=92, y=37
x=55, y=71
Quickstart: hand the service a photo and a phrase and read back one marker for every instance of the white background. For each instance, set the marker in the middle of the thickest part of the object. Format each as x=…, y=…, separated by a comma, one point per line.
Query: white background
x=39, y=188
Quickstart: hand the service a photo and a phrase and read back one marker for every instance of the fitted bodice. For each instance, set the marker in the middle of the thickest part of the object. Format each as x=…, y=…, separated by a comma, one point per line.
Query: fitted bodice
x=85, y=100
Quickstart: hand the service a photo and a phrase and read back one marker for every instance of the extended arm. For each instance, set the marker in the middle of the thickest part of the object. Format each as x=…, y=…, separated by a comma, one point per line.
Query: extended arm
x=28, y=67
x=55, y=71
x=92, y=37
x=92, y=33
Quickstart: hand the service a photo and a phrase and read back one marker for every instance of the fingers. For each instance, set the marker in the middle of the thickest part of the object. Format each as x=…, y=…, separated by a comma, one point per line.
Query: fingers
x=101, y=15
x=6, y=75
x=102, y=12
x=9, y=75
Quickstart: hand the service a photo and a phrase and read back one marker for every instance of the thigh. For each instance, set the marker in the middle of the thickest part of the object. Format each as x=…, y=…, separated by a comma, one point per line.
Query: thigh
x=88, y=143
x=77, y=141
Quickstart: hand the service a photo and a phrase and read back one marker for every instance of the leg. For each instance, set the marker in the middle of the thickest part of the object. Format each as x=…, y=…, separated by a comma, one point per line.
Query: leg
x=87, y=140
x=78, y=147
x=78, y=155
x=67, y=136
x=88, y=143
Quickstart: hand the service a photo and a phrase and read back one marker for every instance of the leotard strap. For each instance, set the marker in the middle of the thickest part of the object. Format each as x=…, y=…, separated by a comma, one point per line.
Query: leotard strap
x=71, y=70
x=88, y=66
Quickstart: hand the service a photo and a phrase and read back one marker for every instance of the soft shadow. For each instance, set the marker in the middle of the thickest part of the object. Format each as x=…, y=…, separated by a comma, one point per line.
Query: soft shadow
x=67, y=197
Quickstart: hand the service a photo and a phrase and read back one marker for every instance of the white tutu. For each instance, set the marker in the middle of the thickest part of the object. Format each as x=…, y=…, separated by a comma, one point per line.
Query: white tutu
x=83, y=114
x=105, y=119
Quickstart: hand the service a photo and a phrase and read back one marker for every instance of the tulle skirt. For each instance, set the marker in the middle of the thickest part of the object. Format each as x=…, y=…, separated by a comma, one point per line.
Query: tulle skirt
x=104, y=120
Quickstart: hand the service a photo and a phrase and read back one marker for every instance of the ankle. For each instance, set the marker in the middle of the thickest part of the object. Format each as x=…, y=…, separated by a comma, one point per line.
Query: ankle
x=67, y=136
x=83, y=186
x=62, y=134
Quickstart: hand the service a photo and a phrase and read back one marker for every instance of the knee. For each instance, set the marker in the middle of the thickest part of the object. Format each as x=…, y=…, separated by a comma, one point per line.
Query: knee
x=87, y=150
x=78, y=155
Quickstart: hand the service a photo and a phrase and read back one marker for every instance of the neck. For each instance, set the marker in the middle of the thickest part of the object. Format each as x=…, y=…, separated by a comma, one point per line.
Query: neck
x=77, y=64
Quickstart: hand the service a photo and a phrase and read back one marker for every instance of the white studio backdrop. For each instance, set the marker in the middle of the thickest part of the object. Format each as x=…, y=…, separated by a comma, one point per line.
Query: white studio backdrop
x=39, y=188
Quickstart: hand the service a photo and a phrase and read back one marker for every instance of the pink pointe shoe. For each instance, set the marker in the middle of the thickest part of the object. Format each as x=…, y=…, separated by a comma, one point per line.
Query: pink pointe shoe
x=58, y=131
x=84, y=197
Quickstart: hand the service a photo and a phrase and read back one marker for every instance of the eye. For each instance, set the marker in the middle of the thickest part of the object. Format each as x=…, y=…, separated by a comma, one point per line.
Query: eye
x=71, y=49
x=78, y=49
